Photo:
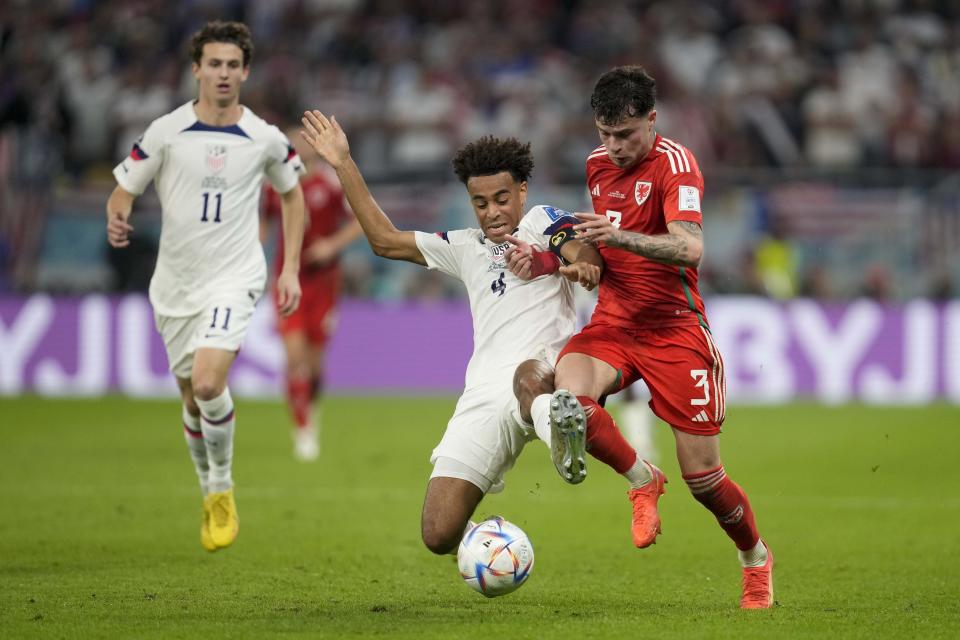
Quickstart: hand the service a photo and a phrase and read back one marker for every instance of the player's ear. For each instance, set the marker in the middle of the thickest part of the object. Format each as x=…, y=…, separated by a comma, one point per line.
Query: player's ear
x=652, y=117
x=195, y=67
x=245, y=74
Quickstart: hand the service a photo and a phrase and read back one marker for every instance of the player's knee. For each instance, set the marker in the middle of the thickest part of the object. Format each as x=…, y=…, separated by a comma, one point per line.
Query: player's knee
x=207, y=387
x=532, y=378
x=439, y=538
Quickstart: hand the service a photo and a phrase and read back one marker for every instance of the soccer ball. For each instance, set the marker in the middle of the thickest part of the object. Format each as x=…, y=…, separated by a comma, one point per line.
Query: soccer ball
x=495, y=557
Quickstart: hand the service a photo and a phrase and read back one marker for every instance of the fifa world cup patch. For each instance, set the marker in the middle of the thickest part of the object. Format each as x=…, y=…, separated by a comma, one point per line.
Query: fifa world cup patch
x=688, y=199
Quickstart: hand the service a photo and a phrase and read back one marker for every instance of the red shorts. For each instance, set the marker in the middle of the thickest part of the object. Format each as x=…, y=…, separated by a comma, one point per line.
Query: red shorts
x=317, y=314
x=681, y=366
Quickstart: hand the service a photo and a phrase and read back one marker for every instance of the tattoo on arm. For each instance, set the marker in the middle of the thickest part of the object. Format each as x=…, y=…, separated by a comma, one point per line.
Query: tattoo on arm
x=669, y=248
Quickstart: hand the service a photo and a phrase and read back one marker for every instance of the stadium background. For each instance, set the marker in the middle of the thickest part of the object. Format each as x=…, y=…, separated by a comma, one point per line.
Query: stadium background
x=828, y=133
x=829, y=138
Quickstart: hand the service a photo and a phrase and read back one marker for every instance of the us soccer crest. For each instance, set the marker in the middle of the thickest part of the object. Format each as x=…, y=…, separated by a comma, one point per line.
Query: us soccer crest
x=642, y=191
x=216, y=157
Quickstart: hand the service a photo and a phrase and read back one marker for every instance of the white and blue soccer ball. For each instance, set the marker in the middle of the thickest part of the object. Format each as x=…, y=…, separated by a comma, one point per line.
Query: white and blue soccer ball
x=495, y=557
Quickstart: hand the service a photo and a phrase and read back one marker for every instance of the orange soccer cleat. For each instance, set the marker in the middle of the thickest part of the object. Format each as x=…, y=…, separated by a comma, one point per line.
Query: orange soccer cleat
x=758, y=585
x=646, y=520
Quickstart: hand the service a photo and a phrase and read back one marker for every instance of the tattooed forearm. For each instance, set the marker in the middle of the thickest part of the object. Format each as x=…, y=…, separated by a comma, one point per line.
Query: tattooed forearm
x=682, y=247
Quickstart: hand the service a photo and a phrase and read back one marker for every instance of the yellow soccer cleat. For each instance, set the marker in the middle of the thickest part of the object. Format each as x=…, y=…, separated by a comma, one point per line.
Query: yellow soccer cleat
x=223, y=521
x=206, y=540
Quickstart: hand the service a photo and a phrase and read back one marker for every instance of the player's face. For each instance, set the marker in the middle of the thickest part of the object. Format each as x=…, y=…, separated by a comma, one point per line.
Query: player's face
x=630, y=140
x=220, y=73
x=498, y=202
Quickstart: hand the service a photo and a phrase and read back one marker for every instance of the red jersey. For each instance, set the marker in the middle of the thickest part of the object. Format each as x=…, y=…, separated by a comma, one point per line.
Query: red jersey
x=325, y=212
x=663, y=187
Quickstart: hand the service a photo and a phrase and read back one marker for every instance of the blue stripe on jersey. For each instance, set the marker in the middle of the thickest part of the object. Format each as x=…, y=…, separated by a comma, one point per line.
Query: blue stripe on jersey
x=562, y=223
x=233, y=128
x=555, y=214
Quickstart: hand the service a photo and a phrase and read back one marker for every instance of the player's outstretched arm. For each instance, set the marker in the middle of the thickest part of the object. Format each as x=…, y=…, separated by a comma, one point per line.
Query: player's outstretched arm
x=330, y=142
x=119, y=207
x=681, y=246
x=288, y=282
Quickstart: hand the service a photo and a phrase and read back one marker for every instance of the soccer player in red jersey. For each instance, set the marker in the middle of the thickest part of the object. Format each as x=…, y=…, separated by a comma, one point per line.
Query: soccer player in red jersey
x=650, y=322
x=329, y=228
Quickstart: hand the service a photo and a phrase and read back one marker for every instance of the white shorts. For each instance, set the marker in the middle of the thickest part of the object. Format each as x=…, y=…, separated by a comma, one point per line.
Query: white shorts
x=486, y=434
x=222, y=325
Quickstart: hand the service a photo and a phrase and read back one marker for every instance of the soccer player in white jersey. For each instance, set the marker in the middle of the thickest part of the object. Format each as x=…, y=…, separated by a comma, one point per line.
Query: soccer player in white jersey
x=208, y=159
x=518, y=325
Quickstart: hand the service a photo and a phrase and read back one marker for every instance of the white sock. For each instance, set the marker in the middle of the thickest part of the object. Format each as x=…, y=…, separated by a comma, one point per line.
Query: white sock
x=217, y=422
x=198, y=449
x=636, y=422
x=540, y=412
x=639, y=474
x=756, y=557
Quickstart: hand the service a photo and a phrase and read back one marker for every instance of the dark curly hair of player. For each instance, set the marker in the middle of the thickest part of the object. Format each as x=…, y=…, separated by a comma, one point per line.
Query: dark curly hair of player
x=623, y=92
x=489, y=156
x=217, y=31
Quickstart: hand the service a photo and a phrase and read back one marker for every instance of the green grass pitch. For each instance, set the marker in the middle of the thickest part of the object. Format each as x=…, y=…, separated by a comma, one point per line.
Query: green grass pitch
x=99, y=519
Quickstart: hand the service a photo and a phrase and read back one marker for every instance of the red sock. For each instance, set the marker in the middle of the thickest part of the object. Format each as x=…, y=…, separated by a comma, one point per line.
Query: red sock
x=299, y=399
x=604, y=440
x=727, y=501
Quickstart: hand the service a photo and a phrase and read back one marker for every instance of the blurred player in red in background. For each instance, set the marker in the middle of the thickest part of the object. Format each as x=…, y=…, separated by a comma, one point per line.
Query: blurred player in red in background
x=650, y=323
x=330, y=228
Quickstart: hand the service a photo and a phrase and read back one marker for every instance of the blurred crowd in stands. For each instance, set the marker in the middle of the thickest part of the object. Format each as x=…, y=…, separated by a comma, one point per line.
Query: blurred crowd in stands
x=834, y=87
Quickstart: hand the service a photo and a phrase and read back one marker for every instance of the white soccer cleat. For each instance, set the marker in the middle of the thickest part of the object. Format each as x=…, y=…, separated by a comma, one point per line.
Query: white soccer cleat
x=306, y=445
x=568, y=440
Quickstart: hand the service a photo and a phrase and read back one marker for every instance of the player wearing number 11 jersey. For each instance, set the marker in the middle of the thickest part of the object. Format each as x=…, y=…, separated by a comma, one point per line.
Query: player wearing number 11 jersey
x=207, y=160
x=649, y=321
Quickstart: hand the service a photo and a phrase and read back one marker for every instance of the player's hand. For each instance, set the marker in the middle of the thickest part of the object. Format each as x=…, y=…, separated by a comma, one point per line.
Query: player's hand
x=288, y=293
x=118, y=230
x=596, y=229
x=519, y=258
x=583, y=273
x=320, y=252
x=326, y=137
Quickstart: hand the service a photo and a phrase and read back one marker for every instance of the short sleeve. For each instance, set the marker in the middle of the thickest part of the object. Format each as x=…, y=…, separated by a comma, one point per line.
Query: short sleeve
x=443, y=251
x=284, y=166
x=136, y=171
x=683, y=190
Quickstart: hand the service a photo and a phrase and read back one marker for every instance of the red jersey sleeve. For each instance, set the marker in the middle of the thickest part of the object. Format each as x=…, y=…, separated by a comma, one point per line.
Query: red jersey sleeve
x=271, y=203
x=682, y=184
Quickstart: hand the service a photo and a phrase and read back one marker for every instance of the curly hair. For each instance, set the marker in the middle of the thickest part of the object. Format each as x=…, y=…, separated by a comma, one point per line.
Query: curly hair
x=489, y=156
x=623, y=92
x=230, y=32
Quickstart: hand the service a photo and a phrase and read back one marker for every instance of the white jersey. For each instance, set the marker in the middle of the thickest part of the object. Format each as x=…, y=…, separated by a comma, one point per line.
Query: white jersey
x=512, y=318
x=208, y=180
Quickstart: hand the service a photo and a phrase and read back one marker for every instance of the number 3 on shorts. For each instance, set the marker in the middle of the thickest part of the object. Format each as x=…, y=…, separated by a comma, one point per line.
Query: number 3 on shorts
x=700, y=375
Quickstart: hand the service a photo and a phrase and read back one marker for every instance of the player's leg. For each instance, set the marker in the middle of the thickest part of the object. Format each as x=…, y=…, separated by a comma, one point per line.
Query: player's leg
x=217, y=421
x=684, y=372
x=595, y=362
x=299, y=374
x=556, y=416
x=447, y=507
x=178, y=336
x=193, y=435
x=703, y=471
x=589, y=379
